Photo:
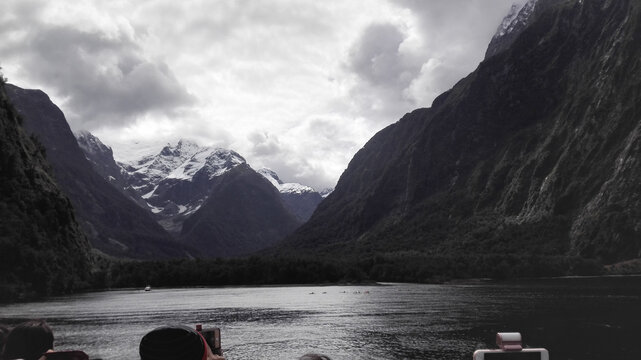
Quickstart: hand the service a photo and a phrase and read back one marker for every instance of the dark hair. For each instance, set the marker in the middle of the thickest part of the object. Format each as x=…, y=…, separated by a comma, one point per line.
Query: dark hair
x=175, y=342
x=314, y=357
x=28, y=341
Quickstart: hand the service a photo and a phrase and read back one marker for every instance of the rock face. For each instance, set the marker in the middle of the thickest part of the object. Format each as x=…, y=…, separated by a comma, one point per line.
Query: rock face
x=113, y=223
x=42, y=249
x=102, y=159
x=243, y=214
x=538, y=151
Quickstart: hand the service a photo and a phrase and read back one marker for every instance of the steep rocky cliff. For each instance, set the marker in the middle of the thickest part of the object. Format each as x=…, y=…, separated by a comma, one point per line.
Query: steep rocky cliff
x=42, y=249
x=101, y=158
x=113, y=223
x=538, y=151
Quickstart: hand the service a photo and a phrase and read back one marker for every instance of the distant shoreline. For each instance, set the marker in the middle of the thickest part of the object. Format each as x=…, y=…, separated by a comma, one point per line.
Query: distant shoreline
x=454, y=282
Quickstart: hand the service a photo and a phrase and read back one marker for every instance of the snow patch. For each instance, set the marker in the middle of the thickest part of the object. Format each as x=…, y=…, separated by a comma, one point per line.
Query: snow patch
x=284, y=188
x=149, y=194
x=325, y=192
x=518, y=15
x=183, y=161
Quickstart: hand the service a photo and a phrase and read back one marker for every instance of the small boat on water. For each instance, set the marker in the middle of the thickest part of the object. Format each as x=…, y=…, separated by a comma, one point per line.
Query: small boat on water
x=148, y=288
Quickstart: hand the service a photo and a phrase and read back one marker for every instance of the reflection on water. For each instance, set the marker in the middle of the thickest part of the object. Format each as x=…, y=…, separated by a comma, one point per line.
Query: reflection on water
x=598, y=318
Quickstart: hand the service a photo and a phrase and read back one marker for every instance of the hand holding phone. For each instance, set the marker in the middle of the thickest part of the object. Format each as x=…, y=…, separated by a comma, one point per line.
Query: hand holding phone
x=212, y=337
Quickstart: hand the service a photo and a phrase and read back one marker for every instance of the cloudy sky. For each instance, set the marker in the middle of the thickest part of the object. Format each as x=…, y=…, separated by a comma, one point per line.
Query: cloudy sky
x=294, y=85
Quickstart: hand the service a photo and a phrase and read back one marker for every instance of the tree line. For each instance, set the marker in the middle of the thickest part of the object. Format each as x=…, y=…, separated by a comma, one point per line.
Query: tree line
x=392, y=267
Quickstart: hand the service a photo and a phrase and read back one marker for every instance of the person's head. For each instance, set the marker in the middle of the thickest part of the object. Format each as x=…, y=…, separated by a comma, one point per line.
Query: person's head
x=28, y=341
x=314, y=357
x=175, y=342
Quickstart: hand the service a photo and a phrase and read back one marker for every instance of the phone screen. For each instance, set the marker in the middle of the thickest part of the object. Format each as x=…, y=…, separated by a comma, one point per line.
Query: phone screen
x=513, y=356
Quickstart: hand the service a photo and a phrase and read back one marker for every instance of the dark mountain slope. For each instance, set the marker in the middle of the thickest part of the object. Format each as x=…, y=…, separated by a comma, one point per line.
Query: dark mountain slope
x=249, y=216
x=113, y=223
x=536, y=152
x=42, y=250
x=102, y=160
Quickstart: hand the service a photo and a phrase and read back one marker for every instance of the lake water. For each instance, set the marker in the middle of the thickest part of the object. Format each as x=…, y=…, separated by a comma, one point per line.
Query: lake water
x=587, y=318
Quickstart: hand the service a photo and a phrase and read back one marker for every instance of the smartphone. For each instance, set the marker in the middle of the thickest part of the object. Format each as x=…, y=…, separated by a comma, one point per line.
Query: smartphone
x=212, y=336
x=525, y=354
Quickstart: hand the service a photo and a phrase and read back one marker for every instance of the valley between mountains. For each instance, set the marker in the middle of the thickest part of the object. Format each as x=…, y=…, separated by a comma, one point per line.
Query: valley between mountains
x=529, y=166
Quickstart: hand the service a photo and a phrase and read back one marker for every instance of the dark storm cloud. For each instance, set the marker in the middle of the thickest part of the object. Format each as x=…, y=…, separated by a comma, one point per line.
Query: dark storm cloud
x=297, y=86
x=402, y=66
x=376, y=57
x=383, y=72
x=104, y=78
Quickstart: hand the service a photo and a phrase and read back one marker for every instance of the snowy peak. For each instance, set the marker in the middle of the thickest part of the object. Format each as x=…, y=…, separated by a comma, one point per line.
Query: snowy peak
x=290, y=188
x=184, y=161
x=299, y=199
x=271, y=176
x=91, y=144
x=157, y=167
x=516, y=20
x=325, y=192
x=183, y=147
x=211, y=162
x=175, y=182
x=522, y=18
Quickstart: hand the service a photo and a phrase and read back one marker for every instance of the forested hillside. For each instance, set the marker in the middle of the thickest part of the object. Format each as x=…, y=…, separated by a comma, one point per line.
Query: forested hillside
x=42, y=249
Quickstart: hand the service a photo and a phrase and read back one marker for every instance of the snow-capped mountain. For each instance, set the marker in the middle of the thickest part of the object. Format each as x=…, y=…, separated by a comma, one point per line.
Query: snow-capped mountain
x=176, y=181
x=301, y=200
x=516, y=21
x=208, y=197
x=184, y=161
x=284, y=187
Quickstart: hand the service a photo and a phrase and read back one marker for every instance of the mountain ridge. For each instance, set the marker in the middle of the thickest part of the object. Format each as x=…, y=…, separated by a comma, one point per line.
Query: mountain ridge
x=176, y=182
x=114, y=224
x=248, y=211
x=301, y=200
x=517, y=158
x=42, y=248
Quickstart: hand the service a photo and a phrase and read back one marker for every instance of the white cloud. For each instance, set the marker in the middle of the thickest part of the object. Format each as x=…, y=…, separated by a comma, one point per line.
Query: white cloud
x=295, y=86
